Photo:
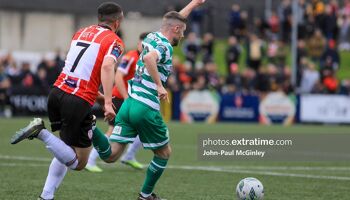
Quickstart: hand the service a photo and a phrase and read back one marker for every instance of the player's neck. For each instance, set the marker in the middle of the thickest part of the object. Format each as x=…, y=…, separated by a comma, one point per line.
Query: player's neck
x=165, y=34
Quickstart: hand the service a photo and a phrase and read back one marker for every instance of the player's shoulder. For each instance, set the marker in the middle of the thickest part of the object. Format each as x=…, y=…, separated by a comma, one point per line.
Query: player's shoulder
x=110, y=36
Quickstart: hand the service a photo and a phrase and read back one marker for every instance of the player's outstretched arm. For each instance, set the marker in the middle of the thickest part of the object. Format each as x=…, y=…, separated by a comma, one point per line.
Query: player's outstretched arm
x=192, y=5
x=107, y=77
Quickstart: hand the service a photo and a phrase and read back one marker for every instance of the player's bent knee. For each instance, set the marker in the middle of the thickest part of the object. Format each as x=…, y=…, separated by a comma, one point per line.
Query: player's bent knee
x=164, y=152
x=81, y=165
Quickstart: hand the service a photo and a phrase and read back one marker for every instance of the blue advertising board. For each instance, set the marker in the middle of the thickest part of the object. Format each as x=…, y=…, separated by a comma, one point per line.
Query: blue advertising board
x=240, y=108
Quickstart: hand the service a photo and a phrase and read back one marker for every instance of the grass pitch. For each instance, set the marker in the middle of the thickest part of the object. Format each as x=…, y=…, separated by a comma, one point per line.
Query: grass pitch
x=23, y=169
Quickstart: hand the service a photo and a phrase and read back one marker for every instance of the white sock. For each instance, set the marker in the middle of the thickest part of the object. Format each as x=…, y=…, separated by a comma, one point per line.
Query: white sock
x=132, y=149
x=57, y=171
x=145, y=195
x=64, y=153
x=92, y=157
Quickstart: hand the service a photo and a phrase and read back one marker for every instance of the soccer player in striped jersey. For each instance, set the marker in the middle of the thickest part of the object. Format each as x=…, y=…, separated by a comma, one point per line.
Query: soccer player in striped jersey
x=139, y=115
x=125, y=71
x=90, y=61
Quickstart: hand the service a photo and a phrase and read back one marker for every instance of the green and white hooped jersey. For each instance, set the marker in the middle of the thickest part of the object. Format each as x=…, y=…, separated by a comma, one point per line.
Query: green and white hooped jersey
x=142, y=86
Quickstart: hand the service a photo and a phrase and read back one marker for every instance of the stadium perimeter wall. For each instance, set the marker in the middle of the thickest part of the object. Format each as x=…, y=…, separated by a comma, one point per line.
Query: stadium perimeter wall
x=209, y=106
x=44, y=32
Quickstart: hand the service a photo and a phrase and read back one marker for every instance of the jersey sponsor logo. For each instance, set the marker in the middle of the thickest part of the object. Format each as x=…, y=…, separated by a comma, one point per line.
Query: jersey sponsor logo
x=117, y=50
x=71, y=82
x=161, y=48
x=124, y=63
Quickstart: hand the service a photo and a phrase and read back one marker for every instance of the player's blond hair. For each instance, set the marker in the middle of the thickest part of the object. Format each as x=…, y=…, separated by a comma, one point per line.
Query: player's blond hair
x=173, y=18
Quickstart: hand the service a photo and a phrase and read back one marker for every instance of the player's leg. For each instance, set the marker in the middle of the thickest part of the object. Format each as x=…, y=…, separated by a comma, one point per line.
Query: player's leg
x=154, y=135
x=121, y=135
x=91, y=165
x=155, y=170
x=57, y=171
x=128, y=157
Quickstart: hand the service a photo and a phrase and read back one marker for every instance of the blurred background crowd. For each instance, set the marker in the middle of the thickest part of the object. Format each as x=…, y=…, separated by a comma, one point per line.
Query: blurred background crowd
x=254, y=59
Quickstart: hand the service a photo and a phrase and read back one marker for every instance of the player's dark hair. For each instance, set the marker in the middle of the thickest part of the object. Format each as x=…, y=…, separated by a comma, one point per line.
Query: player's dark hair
x=109, y=12
x=143, y=35
x=175, y=16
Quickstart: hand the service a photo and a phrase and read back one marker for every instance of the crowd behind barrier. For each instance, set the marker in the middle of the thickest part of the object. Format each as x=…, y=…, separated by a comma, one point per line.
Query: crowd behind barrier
x=256, y=59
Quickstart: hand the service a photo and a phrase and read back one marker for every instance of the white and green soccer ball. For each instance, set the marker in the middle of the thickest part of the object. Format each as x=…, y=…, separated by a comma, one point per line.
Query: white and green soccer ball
x=250, y=189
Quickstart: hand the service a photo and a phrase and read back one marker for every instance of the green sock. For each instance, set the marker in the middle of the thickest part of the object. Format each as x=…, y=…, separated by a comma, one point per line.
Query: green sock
x=101, y=144
x=154, y=171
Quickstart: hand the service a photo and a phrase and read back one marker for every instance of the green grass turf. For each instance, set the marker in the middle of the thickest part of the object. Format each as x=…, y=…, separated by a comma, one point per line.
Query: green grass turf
x=23, y=169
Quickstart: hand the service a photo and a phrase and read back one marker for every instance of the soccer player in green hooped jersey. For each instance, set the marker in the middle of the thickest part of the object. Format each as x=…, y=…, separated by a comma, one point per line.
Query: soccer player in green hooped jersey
x=139, y=114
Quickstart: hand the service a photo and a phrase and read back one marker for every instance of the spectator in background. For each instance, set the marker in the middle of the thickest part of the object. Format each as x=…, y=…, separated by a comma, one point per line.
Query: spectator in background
x=273, y=77
x=233, y=80
x=4, y=86
x=243, y=29
x=286, y=84
x=284, y=13
x=272, y=50
x=346, y=8
x=310, y=77
x=344, y=37
x=42, y=76
x=199, y=82
x=249, y=80
x=274, y=24
x=281, y=55
x=330, y=58
x=255, y=52
x=330, y=82
x=301, y=54
x=262, y=81
x=191, y=48
x=329, y=24
x=318, y=8
x=261, y=27
x=10, y=66
x=26, y=78
x=233, y=52
x=310, y=27
x=212, y=77
x=207, y=48
x=196, y=19
x=334, y=6
x=345, y=87
x=316, y=45
x=183, y=73
x=52, y=64
x=235, y=20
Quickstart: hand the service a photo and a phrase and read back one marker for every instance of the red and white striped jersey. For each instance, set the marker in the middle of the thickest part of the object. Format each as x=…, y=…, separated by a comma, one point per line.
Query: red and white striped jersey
x=81, y=75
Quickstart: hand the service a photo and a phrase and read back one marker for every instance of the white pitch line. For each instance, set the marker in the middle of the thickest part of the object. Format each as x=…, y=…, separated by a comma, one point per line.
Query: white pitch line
x=266, y=173
x=296, y=168
x=233, y=170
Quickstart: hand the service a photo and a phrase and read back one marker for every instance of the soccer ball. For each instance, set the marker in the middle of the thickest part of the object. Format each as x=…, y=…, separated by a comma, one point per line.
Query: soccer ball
x=250, y=189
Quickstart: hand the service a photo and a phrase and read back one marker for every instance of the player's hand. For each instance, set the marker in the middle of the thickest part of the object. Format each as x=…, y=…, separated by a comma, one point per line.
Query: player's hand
x=109, y=112
x=162, y=93
x=198, y=2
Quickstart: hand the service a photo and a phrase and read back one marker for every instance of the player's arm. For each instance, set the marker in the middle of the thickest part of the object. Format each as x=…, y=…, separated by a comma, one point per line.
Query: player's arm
x=192, y=5
x=107, y=76
x=150, y=61
x=100, y=99
x=122, y=71
x=119, y=83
